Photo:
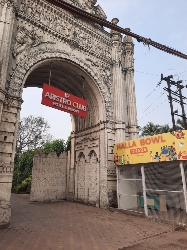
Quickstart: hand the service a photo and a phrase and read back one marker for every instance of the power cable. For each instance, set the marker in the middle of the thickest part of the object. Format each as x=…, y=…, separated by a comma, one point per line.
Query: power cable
x=153, y=103
x=158, y=84
x=180, y=73
x=145, y=73
x=152, y=110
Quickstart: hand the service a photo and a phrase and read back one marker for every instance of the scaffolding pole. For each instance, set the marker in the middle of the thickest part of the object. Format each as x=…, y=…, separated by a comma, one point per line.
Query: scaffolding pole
x=144, y=190
x=184, y=183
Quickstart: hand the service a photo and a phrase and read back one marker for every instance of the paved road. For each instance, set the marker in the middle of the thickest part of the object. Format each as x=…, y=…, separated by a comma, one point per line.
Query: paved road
x=70, y=226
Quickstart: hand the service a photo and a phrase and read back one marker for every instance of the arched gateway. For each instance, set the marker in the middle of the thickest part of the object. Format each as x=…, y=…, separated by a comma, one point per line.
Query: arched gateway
x=87, y=62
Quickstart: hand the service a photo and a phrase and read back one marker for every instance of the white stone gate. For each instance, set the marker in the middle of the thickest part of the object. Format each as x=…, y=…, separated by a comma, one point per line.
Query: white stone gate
x=87, y=62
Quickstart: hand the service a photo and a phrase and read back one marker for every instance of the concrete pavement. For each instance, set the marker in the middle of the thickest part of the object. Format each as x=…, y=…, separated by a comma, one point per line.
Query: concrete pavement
x=70, y=226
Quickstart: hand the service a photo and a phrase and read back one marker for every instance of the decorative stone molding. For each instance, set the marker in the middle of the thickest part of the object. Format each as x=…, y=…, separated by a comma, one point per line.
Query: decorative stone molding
x=67, y=27
x=48, y=51
x=24, y=40
x=6, y=169
x=10, y=3
x=2, y=96
x=89, y=6
x=13, y=101
x=111, y=172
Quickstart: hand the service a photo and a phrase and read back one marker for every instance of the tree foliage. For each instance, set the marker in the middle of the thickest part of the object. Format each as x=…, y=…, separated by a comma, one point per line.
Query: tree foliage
x=68, y=144
x=57, y=146
x=154, y=129
x=165, y=129
x=32, y=133
x=150, y=129
x=180, y=124
x=23, y=167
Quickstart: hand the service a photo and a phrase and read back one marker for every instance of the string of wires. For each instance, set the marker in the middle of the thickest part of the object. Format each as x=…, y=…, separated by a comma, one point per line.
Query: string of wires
x=158, y=85
x=145, y=73
x=153, y=102
x=152, y=110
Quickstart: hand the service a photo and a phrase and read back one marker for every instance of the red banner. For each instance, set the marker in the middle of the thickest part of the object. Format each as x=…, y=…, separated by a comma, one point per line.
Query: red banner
x=58, y=99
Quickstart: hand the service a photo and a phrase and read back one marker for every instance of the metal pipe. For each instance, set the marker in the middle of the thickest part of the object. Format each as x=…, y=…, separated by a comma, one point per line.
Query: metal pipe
x=144, y=190
x=103, y=22
x=118, y=197
x=184, y=183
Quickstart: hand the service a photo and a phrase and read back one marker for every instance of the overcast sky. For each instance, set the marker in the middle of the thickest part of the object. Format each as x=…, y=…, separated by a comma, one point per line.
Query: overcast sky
x=164, y=21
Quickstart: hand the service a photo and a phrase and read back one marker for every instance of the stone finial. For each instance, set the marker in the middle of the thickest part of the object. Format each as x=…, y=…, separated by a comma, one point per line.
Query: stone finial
x=127, y=39
x=115, y=21
x=116, y=36
x=93, y=2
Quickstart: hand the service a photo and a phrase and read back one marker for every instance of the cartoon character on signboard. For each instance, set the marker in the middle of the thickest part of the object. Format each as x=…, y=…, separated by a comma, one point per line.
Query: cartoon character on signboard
x=151, y=156
x=175, y=158
x=179, y=134
x=116, y=159
x=170, y=154
x=183, y=155
x=128, y=160
x=164, y=153
x=157, y=157
x=122, y=160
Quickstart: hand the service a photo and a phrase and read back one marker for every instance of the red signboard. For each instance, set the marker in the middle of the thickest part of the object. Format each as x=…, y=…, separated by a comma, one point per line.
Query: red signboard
x=58, y=99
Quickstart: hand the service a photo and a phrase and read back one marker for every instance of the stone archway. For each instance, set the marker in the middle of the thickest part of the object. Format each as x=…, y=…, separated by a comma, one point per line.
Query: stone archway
x=72, y=78
x=36, y=33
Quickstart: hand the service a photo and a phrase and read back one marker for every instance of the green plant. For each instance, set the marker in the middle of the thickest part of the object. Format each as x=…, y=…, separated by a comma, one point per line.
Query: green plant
x=57, y=146
x=25, y=186
x=22, y=167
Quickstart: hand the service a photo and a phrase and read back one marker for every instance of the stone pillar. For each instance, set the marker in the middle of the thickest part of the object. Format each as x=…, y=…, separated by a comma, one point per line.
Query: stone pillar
x=6, y=27
x=118, y=85
x=8, y=132
x=2, y=99
x=7, y=20
x=9, y=111
x=103, y=160
x=128, y=68
x=71, y=181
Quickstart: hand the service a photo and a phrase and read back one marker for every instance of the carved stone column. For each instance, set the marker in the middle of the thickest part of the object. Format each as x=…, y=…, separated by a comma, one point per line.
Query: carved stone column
x=118, y=85
x=128, y=64
x=71, y=181
x=2, y=99
x=8, y=131
x=9, y=110
x=7, y=19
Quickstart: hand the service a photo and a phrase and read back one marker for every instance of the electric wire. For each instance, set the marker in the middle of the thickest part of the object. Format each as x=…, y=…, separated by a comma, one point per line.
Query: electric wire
x=145, y=73
x=152, y=103
x=158, y=84
x=180, y=73
x=152, y=110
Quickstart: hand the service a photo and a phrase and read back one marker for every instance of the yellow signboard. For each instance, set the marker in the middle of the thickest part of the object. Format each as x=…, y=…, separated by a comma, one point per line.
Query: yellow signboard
x=157, y=148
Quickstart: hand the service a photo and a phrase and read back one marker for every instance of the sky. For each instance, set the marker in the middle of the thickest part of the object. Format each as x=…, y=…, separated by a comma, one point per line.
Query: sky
x=165, y=22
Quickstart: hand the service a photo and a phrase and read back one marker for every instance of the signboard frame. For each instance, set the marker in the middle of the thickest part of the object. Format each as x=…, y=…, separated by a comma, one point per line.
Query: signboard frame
x=157, y=148
x=63, y=101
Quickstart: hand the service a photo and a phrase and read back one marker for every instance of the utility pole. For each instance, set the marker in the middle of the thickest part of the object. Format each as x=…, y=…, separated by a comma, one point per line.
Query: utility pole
x=177, y=94
x=180, y=87
x=168, y=80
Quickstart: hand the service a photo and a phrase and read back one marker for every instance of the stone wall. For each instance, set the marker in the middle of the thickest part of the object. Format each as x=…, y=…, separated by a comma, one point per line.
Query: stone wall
x=49, y=177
